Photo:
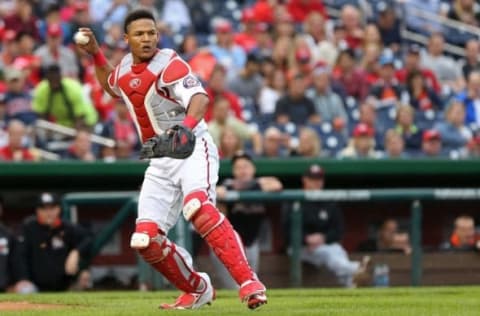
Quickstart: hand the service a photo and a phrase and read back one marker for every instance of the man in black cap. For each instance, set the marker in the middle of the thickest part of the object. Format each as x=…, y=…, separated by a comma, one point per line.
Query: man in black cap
x=247, y=218
x=51, y=247
x=322, y=233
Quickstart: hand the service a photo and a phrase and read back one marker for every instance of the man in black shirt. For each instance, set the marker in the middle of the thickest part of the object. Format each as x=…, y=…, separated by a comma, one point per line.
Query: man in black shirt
x=11, y=276
x=322, y=233
x=52, y=247
x=246, y=217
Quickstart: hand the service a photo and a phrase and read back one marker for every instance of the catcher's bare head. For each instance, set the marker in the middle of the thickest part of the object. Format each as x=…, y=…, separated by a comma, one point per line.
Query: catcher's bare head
x=141, y=34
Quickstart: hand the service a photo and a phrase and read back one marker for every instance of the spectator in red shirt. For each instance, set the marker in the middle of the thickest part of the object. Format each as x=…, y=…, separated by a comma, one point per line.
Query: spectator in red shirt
x=15, y=149
x=411, y=63
x=349, y=77
x=246, y=39
x=299, y=9
x=263, y=10
x=217, y=87
x=23, y=20
x=350, y=17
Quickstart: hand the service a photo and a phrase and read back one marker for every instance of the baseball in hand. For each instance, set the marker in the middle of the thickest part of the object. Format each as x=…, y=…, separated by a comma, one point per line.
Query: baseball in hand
x=80, y=38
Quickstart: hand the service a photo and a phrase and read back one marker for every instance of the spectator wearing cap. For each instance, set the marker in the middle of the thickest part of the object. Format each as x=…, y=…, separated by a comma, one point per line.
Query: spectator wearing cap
x=420, y=95
x=17, y=99
x=300, y=9
x=248, y=83
x=295, y=107
x=323, y=228
x=405, y=126
x=23, y=19
x=328, y=104
x=323, y=50
x=471, y=61
x=368, y=115
x=53, y=52
x=52, y=248
x=301, y=63
x=82, y=18
x=455, y=135
x=26, y=59
x=230, y=55
x=389, y=26
x=53, y=15
x=412, y=63
x=387, y=90
x=247, y=218
x=445, y=68
x=222, y=119
x=17, y=148
x=362, y=144
x=61, y=100
x=9, y=49
x=431, y=144
x=217, y=87
x=247, y=37
x=348, y=77
x=470, y=97
x=463, y=236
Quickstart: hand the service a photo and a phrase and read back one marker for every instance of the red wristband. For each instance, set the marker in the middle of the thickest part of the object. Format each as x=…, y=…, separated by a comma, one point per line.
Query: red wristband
x=99, y=59
x=190, y=122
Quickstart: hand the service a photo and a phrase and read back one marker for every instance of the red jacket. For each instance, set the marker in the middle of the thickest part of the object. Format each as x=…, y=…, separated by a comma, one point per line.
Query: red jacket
x=299, y=10
x=235, y=105
x=24, y=154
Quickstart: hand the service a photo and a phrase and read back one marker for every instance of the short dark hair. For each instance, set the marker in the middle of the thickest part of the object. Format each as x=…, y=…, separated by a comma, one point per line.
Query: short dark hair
x=137, y=15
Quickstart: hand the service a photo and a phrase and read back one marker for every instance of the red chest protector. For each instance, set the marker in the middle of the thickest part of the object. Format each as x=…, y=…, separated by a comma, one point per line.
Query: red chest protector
x=135, y=84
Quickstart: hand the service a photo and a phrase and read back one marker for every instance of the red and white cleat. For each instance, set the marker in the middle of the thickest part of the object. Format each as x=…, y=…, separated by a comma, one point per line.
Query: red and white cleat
x=253, y=292
x=193, y=300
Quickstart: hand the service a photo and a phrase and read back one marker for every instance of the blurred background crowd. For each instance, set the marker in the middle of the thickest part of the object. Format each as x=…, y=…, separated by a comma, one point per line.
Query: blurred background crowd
x=307, y=78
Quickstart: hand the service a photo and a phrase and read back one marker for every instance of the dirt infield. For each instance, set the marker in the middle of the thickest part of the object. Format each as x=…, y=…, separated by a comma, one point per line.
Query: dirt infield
x=22, y=306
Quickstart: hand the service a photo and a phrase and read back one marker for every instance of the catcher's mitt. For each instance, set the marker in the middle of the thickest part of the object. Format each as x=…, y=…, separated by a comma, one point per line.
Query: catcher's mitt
x=177, y=142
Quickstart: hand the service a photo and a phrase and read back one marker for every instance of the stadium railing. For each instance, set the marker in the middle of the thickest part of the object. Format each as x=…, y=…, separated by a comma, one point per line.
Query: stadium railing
x=416, y=196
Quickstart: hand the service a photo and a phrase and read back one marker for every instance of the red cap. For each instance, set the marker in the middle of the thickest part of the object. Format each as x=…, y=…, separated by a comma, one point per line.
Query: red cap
x=431, y=134
x=54, y=29
x=9, y=35
x=362, y=129
x=223, y=27
x=80, y=6
x=248, y=15
x=302, y=54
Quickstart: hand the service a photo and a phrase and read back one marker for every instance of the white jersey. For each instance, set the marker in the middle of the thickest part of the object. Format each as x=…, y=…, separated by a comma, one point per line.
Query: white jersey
x=157, y=93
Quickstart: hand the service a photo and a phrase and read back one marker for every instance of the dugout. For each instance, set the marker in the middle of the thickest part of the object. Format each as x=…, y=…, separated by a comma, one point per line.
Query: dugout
x=21, y=182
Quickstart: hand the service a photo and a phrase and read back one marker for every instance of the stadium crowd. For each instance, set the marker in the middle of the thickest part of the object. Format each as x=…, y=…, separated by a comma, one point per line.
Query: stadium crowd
x=286, y=78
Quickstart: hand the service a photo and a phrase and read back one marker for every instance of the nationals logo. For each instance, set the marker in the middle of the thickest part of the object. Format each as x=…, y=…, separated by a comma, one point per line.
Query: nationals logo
x=190, y=82
x=135, y=83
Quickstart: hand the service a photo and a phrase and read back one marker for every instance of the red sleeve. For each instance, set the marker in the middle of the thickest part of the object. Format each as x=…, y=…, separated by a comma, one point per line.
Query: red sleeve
x=433, y=80
x=235, y=105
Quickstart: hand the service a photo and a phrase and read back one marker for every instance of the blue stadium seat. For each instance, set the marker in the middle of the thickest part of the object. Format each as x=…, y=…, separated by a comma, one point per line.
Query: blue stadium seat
x=426, y=119
x=332, y=141
x=386, y=118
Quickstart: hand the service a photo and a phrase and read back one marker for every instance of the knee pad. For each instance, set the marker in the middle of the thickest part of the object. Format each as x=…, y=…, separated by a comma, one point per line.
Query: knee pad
x=145, y=231
x=198, y=209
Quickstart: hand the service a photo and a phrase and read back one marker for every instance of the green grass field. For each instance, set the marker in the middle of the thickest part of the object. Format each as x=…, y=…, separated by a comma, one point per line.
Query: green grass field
x=455, y=301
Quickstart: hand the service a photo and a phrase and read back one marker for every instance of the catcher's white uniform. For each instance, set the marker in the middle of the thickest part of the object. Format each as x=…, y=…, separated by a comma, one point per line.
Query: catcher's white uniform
x=157, y=94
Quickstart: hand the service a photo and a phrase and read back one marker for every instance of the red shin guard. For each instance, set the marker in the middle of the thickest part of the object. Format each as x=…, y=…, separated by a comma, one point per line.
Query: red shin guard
x=163, y=255
x=221, y=237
